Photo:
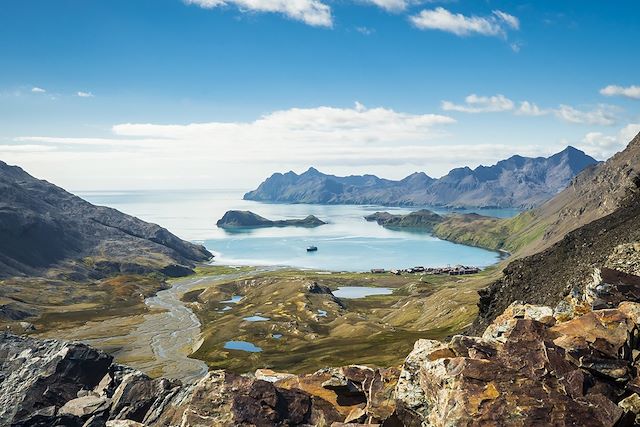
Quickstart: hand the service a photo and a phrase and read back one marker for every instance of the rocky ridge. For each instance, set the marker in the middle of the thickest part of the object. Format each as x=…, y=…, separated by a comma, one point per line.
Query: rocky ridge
x=572, y=364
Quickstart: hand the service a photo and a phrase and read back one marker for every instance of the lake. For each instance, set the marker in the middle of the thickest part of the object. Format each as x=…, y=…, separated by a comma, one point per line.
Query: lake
x=346, y=243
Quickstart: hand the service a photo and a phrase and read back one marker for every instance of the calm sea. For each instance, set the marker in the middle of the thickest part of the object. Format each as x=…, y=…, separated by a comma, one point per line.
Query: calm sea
x=347, y=243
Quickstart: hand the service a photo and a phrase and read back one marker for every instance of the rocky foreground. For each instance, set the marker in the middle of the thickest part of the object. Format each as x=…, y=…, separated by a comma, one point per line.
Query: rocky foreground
x=573, y=364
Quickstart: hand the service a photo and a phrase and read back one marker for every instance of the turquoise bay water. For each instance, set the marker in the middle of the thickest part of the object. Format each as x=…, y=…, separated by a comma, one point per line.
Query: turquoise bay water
x=346, y=243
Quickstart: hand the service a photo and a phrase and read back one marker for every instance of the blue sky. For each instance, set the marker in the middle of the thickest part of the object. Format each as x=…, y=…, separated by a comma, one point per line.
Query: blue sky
x=205, y=93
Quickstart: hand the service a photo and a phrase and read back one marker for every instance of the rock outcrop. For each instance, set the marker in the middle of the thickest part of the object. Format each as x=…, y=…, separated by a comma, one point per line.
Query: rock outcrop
x=247, y=219
x=515, y=182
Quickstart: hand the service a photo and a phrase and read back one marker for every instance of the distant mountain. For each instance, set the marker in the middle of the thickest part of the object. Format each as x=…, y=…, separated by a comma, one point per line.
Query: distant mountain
x=518, y=181
x=247, y=219
x=44, y=229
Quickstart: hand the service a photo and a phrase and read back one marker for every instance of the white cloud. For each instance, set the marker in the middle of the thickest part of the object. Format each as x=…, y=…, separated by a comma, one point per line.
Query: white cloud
x=602, y=115
x=324, y=125
x=604, y=146
x=84, y=94
x=311, y=12
x=391, y=5
x=37, y=89
x=442, y=19
x=480, y=104
x=530, y=109
x=365, y=30
x=632, y=92
x=510, y=20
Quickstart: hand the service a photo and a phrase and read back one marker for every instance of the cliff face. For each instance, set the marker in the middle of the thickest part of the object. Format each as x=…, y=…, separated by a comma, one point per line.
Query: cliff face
x=515, y=182
x=43, y=228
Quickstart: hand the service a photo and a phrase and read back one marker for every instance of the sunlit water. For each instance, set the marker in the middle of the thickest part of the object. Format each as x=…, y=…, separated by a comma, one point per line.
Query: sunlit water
x=346, y=243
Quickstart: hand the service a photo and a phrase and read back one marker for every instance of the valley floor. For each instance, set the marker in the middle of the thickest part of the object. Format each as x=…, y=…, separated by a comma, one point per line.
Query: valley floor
x=183, y=329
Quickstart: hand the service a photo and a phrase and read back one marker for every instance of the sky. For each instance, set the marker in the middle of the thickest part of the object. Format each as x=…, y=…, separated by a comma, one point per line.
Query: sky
x=185, y=94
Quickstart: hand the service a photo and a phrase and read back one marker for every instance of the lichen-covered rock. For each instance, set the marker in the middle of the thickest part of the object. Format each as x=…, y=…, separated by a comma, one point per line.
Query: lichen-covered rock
x=599, y=342
x=224, y=399
x=505, y=322
x=528, y=370
x=411, y=401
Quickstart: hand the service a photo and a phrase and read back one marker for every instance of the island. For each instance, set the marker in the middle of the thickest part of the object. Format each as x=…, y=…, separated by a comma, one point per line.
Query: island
x=248, y=219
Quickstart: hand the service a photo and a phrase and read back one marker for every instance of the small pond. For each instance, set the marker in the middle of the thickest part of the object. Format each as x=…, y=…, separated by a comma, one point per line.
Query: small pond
x=234, y=300
x=353, y=292
x=256, y=319
x=242, y=346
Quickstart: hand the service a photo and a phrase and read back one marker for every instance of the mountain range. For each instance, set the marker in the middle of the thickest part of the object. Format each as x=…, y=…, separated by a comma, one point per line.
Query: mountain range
x=517, y=182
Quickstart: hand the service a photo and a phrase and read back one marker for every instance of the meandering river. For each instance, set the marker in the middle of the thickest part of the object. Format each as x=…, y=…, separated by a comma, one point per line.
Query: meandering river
x=158, y=343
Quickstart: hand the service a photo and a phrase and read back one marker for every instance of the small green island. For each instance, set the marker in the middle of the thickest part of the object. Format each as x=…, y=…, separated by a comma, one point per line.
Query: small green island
x=248, y=219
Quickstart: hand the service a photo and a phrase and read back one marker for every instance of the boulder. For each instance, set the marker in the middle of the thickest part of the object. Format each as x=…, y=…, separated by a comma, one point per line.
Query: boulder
x=271, y=376
x=599, y=342
x=137, y=394
x=86, y=406
x=224, y=399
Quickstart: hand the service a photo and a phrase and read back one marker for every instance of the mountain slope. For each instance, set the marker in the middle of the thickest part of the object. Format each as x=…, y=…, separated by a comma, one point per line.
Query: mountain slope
x=44, y=228
x=515, y=182
x=569, y=235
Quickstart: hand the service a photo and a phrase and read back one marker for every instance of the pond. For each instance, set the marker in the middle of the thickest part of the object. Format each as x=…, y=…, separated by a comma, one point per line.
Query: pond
x=233, y=300
x=242, y=346
x=256, y=319
x=353, y=292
